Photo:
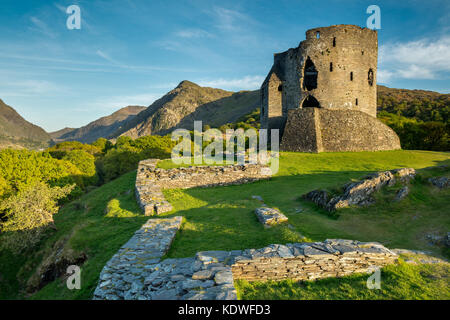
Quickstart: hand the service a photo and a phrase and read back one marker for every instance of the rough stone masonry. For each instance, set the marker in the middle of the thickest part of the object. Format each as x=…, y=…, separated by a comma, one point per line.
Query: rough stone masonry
x=137, y=272
x=322, y=94
x=150, y=180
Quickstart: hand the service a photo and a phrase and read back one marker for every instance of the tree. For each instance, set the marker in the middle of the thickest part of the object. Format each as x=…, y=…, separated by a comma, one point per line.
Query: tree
x=86, y=163
x=29, y=213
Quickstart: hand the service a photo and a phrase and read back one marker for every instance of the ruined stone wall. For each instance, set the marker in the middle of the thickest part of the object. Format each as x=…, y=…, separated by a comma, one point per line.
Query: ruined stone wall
x=205, y=176
x=310, y=261
x=302, y=131
x=150, y=180
x=343, y=56
x=351, y=50
x=137, y=272
x=346, y=130
x=322, y=130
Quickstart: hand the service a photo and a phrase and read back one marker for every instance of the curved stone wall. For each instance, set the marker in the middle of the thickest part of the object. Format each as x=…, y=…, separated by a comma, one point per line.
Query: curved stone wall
x=322, y=130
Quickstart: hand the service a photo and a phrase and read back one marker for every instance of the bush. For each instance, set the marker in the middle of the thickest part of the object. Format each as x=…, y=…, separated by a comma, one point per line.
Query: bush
x=418, y=135
x=127, y=153
x=22, y=168
x=85, y=162
x=29, y=213
x=103, y=144
x=59, y=150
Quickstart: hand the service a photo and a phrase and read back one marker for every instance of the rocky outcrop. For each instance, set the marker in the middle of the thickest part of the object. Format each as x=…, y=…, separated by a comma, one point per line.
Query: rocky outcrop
x=270, y=216
x=359, y=193
x=440, y=182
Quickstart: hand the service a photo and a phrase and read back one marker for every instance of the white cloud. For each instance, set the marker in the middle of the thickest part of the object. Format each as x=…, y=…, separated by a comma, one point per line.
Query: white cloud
x=42, y=27
x=245, y=83
x=30, y=88
x=420, y=59
x=107, y=57
x=194, y=33
x=231, y=20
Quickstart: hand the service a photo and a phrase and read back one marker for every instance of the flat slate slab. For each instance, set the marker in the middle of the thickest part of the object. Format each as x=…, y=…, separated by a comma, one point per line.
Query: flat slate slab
x=269, y=216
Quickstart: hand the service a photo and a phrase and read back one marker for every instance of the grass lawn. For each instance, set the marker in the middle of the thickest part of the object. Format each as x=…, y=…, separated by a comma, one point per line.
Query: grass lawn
x=223, y=218
x=398, y=282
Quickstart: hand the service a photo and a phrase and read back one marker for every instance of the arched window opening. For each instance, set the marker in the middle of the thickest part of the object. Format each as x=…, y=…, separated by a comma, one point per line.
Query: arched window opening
x=310, y=75
x=280, y=88
x=370, y=77
x=310, y=102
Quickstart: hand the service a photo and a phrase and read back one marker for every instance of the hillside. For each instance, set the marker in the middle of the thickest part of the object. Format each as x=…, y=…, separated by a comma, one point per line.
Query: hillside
x=101, y=221
x=99, y=128
x=188, y=102
x=16, y=132
x=418, y=104
x=215, y=107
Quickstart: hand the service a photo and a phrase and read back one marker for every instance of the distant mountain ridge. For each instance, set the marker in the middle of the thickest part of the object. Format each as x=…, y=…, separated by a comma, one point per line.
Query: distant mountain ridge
x=178, y=109
x=186, y=103
x=100, y=128
x=16, y=132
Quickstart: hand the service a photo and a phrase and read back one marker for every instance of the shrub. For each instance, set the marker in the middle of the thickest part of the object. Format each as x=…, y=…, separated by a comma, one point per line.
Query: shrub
x=85, y=162
x=29, y=213
x=22, y=168
x=59, y=150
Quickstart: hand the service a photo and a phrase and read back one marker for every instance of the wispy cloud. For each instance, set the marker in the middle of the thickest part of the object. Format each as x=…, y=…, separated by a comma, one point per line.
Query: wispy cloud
x=245, y=83
x=108, y=58
x=194, y=33
x=28, y=88
x=231, y=20
x=42, y=27
x=421, y=59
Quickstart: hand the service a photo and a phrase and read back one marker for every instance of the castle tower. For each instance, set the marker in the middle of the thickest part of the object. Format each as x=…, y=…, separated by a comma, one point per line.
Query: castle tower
x=334, y=69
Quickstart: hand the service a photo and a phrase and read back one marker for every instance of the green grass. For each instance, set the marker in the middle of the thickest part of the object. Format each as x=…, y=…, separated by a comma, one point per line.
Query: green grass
x=398, y=282
x=223, y=218
x=83, y=226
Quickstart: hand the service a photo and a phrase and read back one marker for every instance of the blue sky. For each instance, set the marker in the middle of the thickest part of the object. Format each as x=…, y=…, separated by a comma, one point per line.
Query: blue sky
x=132, y=52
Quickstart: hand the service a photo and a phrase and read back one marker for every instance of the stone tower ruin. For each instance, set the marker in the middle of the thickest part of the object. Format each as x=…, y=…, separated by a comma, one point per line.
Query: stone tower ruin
x=322, y=95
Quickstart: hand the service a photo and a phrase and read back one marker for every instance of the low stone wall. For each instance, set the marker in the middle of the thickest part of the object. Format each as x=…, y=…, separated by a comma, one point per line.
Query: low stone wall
x=123, y=275
x=136, y=273
x=148, y=192
x=310, y=261
x=206, y=176
x=150, y=181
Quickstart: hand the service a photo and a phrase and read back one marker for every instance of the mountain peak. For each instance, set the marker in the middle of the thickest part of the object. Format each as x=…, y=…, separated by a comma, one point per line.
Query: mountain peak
x=187, y=84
